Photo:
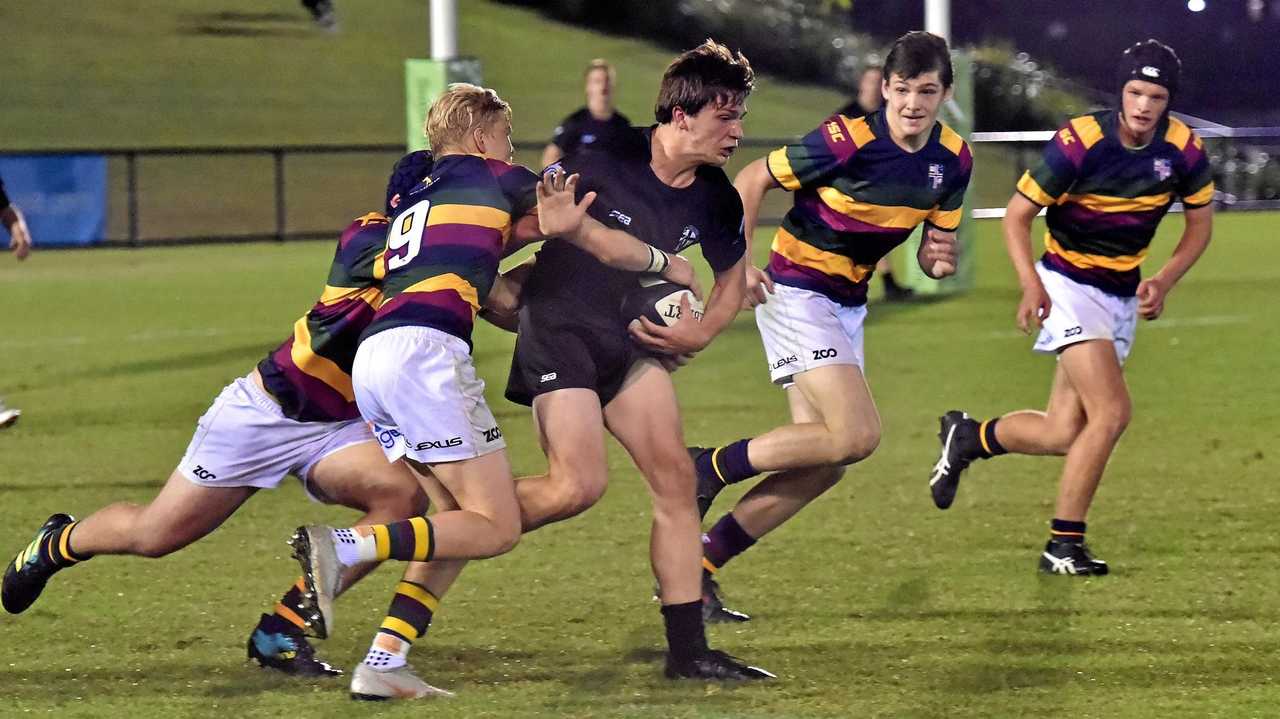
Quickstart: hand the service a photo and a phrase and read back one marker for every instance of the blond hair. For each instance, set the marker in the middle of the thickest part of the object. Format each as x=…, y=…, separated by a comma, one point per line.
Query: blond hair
x=459, y=110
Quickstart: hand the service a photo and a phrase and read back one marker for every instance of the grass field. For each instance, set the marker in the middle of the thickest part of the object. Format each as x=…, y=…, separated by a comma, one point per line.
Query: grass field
x=871, y=603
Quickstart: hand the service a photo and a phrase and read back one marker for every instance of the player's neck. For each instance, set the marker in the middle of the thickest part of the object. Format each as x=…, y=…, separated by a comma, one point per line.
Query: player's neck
x=600, y=110
x=909, y=143
x=1131, y=139
x=672, y=167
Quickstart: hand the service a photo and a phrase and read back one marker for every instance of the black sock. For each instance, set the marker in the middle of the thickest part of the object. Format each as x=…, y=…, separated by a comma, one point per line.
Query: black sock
x=686, y=635
x=890, y=284
x=1067, y=531
x=988, y=445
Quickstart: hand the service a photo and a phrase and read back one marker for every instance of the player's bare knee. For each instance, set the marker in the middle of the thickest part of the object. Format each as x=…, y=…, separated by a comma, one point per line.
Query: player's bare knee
x=1112, y=417
x=852, y=446
x=506, y=536
x=577, y=489
x=396, y=500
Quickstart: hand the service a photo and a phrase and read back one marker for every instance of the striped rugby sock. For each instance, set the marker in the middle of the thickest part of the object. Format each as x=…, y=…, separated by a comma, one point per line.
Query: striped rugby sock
x=408, y=619
x=410, y=540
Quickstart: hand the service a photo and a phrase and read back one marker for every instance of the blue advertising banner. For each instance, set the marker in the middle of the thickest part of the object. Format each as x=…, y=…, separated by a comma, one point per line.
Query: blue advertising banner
x=64, y=197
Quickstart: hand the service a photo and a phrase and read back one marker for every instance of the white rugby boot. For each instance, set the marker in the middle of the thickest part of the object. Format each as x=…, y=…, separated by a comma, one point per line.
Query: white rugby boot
x=369, y=684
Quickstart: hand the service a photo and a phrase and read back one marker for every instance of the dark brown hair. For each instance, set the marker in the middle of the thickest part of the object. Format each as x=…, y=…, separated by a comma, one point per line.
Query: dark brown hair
x=709, y=73
x=916, y=53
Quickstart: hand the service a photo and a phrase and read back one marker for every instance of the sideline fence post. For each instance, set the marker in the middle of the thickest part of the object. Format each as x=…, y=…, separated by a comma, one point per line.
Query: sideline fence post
x=131, y=175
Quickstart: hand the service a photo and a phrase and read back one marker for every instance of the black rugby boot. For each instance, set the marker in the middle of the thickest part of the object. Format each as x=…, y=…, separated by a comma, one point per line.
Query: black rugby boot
x=960, y=446
x=1071, y=558
x=715, y=665
x=713, y=609
x=277, y=644
x=26, y=575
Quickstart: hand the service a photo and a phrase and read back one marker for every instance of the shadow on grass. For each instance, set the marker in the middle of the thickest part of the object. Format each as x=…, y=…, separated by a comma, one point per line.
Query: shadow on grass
x=244, y=24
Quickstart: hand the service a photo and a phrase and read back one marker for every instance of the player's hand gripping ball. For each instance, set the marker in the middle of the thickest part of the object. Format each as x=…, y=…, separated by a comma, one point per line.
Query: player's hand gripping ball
x=659, y=300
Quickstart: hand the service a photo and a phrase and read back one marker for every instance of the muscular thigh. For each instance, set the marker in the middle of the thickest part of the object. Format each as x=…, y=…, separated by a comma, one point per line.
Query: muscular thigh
x=645, y=418
x=359, y=476
x=184, y=511
x=836, y=395
x=570, y=426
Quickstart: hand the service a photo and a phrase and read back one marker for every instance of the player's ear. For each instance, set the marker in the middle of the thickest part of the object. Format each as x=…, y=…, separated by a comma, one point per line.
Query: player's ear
x=679, y=118
x=477, y=137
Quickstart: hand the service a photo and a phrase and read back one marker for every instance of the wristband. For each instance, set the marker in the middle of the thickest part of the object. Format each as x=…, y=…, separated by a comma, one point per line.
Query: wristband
x=658, y=260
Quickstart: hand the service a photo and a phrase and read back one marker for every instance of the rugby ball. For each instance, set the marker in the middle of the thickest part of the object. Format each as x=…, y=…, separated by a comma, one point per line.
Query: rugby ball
x=659, y=300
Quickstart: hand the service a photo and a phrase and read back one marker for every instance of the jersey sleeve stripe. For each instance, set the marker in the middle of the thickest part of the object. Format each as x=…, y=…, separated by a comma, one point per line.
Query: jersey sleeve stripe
x=951, y=140
x=780, y=168
x=1032, y=191
x=1087, y=129
x=886, y=216
x=1178, y=133
x=1201, y=197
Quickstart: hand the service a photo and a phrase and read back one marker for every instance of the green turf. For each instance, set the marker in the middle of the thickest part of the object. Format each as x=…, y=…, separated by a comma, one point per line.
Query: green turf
x=871, y=603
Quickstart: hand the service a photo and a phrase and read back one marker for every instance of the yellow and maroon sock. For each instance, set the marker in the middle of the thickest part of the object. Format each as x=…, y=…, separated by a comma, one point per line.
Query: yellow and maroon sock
x=408, y=619
x=410, y=540
x=1065, y=530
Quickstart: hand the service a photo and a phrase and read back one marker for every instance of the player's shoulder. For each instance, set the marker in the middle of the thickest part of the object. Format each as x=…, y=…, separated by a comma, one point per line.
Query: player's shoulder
x=955, y=145
x=1182, y=137
x=1087, y=130
x=371, y=226
x=719, y=189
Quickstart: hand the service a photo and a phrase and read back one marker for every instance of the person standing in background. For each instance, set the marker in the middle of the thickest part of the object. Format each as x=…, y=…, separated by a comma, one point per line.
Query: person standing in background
x=596, y=125
x=20, y=243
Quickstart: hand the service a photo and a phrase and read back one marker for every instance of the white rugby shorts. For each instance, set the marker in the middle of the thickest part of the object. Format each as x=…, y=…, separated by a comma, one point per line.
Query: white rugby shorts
x=803, y=330
x=244, y=440
x=418, y=387
x=1082, y=312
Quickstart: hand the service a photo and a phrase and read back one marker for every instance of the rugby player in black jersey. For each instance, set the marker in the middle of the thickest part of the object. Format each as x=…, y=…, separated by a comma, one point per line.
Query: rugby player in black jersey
x=584, y=369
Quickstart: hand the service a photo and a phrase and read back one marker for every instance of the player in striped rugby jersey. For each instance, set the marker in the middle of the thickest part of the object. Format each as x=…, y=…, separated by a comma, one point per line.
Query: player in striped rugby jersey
x=293, y=414
x=1107, y=178
x=862, y=186
x=414, y=376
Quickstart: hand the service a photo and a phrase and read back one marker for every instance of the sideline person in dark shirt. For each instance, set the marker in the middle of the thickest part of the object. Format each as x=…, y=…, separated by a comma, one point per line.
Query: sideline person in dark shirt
x=597, y=125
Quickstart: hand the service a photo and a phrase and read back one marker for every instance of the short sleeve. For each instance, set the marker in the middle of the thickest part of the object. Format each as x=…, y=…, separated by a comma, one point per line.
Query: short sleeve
x=1195, y=178
x=726, y=245
x=1058, y=170
x=817, y=155
x=949, y=212
x=519, y=185
x=568, y=134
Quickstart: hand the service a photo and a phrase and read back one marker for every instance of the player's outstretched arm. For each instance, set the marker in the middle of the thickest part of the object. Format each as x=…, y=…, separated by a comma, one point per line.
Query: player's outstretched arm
x=1035, y=304
x=560, y=215
x=19, y=236
x=753, y=182
x=1195, y=238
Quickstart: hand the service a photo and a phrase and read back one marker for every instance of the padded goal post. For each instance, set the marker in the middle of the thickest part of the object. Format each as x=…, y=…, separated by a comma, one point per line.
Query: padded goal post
x=423, y=81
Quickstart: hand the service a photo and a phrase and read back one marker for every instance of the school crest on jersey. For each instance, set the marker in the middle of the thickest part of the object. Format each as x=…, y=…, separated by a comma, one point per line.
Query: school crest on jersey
x=935, y=175
x=688, y=238
x=1163, y=168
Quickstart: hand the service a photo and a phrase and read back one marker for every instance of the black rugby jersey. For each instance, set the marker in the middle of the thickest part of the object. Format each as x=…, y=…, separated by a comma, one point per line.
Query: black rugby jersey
x=581, y=131
x=631, y=198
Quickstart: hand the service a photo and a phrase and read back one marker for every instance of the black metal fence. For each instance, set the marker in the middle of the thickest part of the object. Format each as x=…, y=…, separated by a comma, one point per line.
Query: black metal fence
x=184, y=195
